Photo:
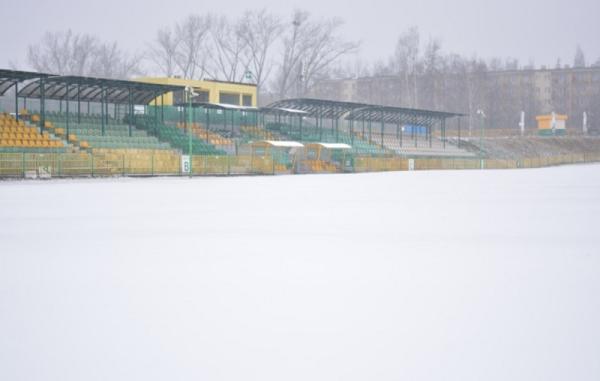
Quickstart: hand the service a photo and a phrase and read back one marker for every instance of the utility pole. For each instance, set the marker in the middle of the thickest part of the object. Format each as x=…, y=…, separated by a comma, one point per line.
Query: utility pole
x=522, y=123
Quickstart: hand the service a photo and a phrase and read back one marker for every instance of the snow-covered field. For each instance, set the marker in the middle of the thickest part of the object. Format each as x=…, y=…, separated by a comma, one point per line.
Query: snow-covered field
x=457, y=275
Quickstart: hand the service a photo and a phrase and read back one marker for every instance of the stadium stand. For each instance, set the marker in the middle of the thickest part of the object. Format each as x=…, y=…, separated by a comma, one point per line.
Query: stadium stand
x=407, y=146
x=19, y=136
x=175, y=136
x=213, y=138
x=250, y=133
x=88, y=133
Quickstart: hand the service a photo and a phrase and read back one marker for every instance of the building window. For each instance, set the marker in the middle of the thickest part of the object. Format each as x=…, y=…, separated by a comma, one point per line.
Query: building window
x=229, y=99
x=247, y=100
x=179, y=97
x=202, y=96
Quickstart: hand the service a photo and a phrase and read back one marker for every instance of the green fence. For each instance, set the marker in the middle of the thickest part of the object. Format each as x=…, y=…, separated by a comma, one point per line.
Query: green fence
x=19, y=165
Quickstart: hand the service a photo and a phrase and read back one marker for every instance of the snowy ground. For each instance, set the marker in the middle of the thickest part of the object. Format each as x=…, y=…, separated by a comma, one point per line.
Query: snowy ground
x=456, y=275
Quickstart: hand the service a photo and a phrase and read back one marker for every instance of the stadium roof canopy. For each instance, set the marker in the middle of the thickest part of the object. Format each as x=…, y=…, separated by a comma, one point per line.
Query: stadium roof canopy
x=218, y=106
x=90, y=89
x=319, y=108
x=10, y=78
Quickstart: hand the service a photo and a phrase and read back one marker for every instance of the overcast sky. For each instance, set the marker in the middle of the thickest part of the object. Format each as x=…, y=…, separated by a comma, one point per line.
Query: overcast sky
x=523, y=29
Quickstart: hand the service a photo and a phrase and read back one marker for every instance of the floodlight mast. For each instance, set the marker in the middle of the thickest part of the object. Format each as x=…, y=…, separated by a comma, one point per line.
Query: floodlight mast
x=190, y=94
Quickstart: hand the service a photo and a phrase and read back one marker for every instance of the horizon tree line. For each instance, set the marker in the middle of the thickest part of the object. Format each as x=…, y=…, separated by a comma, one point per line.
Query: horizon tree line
x=293, y=56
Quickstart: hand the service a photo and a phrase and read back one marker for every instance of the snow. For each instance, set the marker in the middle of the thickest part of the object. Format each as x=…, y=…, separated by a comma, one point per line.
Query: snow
x=434, y=275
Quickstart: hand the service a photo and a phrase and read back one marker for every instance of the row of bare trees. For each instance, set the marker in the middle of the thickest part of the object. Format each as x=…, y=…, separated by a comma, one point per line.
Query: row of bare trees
x=69, y=53
x=284, y=57
x=420, y=74
x=301, y=51
x=295, y=56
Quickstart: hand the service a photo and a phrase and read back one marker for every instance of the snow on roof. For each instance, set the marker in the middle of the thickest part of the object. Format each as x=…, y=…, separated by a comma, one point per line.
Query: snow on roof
x=284, y=110
x=235, y=107
x=284, y=144
x=292, y=111
x=334, y=145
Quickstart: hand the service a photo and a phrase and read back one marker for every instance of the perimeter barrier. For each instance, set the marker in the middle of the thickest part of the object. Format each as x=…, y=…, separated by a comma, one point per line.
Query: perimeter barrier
x=161, y=163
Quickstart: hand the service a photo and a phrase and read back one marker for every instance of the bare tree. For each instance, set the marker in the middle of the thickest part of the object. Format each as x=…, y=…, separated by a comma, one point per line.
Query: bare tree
x=579, y=60
x=310, y=48
x=229, y=57
x=110, y=62
x=191, y=36
x=259, y=30
x=163, y=52
x=63, y=52
x=81, y=54
x=405, y=62
x=433, y=66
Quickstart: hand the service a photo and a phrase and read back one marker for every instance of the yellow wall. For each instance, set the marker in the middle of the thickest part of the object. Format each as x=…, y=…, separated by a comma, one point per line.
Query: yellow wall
x=214, y=89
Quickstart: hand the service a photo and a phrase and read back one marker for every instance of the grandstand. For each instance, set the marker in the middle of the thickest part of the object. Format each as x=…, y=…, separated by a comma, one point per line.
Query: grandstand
x=148, y=127
x=20, y=136
x=89, y=133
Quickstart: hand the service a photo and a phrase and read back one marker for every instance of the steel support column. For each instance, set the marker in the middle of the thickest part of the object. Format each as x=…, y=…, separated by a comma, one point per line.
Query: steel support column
x=363, y=128
x=431, y=134
x=42, y=103
x=78, y=103
x=459, y=120
x=444, y=132
x=67, y=95
x=17, y=101
x=102, y=114
x=382, y=127
x=130, y=111
x=207, y=119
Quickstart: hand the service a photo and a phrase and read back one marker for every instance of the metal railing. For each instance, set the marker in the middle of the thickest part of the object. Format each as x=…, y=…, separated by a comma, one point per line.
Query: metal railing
x=21, y=165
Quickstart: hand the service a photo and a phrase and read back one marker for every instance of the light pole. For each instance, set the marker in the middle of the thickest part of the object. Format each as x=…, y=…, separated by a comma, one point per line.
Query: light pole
x=250, y=76
x=481, y=113
x=190, y=94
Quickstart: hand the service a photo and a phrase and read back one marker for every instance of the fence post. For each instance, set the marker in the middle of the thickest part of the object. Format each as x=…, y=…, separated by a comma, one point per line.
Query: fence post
x=92, y=160
x=152, y=158
x=228, y=165
x=273, y=161
x=23, y=165
x=123, y=164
